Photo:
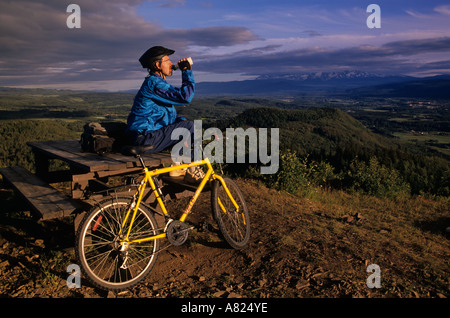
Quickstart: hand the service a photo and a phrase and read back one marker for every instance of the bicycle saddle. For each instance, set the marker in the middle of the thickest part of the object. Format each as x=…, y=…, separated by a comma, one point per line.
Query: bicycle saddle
x=136, y=150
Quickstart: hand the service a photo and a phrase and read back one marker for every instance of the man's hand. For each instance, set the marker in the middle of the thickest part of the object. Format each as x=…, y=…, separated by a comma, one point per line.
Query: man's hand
x=185, y=64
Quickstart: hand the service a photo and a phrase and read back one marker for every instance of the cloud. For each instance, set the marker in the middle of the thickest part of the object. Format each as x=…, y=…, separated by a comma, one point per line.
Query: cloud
x=36, y=46
x=399, y=57
x=413, y=47
x=220, y=36
x=312, y=33
x=445, y=9
x=171, y=3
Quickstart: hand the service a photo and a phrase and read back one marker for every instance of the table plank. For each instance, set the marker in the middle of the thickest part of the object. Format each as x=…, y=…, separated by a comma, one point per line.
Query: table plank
x=70, y=151
x=88, y=164
x=74, y=148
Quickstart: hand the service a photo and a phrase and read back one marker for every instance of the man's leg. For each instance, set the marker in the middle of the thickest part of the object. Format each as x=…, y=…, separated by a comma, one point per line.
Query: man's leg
x=161, y=139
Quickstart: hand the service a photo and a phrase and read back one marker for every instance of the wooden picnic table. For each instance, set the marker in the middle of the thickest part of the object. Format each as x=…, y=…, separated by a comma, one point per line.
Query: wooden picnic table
x=87, y=173
x=87, y=167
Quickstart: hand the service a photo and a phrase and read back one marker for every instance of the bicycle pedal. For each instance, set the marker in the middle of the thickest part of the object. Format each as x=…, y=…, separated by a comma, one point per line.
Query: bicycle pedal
x=204, y=227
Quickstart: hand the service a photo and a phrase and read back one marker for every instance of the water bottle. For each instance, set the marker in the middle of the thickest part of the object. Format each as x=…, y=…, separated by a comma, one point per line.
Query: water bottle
x=182, y=64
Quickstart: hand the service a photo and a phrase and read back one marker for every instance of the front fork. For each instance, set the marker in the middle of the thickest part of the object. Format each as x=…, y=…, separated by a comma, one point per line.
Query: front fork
x=124, y=251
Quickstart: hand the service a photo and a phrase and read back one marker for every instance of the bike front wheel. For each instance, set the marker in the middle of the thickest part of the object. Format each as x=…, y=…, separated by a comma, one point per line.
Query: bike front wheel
x=106, y=262
x=234, y=223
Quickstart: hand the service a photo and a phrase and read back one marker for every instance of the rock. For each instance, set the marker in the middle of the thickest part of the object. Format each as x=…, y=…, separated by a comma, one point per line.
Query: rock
x=302, y=284
x=111, y=295
x=124, y=293
x=262, y=282
x=30, y=259
x=353, y=219
x=348, y=218
x=4, y=264
x=2, y=240
x=220, y=293
x=39, y=243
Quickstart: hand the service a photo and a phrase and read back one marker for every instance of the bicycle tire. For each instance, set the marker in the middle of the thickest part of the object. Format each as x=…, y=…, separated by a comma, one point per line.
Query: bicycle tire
x=98, y=250
x=234, y=226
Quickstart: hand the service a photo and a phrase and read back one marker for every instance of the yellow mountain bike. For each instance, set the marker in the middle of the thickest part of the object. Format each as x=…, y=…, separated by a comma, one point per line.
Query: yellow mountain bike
x=118, y=241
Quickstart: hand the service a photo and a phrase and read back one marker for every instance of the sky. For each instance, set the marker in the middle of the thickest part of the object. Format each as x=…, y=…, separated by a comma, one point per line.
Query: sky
x=227, y=39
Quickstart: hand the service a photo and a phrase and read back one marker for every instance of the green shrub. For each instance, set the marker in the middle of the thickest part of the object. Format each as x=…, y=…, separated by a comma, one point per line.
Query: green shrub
x=376, y=179
x=300, y=175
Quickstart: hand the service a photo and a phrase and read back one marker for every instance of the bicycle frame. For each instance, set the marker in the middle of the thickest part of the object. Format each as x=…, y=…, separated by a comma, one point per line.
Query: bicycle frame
x=148, y=179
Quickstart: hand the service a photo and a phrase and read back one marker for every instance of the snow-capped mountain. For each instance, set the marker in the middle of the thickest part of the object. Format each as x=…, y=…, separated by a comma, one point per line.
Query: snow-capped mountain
x=327, y=76
x=278, y=84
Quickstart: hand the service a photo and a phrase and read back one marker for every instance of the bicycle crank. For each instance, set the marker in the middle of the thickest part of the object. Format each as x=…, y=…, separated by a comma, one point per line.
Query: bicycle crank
x=177, y=232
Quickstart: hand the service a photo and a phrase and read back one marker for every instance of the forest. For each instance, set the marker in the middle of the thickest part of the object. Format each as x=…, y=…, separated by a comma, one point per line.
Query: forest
x=338, y=151
x=386, y=147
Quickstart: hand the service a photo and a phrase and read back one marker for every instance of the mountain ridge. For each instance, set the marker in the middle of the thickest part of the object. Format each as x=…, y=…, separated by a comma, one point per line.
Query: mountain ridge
x=434, y=87
x=347, y=82
x=327, y=76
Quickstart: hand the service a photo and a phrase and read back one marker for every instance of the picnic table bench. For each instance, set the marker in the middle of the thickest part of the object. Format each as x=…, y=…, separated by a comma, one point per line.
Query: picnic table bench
x=88, y=175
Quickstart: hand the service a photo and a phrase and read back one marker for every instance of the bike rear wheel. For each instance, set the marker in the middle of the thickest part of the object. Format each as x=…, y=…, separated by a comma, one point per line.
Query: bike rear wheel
x=234, y=224
x=103, y=260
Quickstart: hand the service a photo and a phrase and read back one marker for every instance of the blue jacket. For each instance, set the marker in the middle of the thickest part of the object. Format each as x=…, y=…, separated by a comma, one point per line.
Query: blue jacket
x=153, y=106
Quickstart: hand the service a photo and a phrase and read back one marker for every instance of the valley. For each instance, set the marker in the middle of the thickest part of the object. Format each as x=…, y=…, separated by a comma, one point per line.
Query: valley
x=362, y=180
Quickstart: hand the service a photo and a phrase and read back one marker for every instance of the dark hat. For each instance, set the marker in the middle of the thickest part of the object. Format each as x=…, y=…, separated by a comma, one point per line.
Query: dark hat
x=153, y=54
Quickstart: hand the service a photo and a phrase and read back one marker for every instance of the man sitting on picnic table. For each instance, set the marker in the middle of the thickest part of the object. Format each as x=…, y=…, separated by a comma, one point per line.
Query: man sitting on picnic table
x=153, y=116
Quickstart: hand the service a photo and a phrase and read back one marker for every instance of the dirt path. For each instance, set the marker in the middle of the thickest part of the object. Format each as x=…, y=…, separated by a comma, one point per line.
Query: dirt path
x=298, y=249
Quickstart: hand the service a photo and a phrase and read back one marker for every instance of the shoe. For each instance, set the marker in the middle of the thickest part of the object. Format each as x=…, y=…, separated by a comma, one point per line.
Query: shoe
x=194, y=176
x=177, y=173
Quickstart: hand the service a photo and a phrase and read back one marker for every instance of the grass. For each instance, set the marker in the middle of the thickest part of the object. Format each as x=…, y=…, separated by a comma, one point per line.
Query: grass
x=434, y=140
x=406, y=237
x=397, y=234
